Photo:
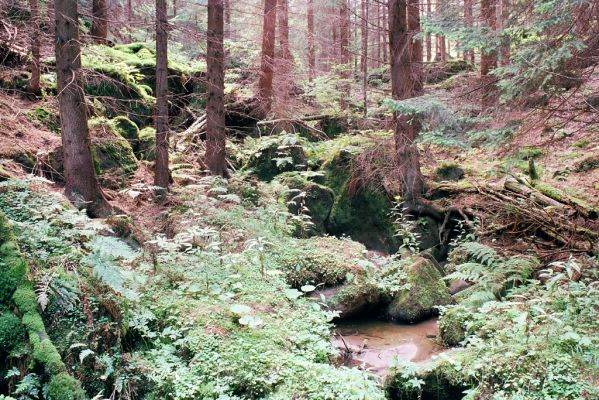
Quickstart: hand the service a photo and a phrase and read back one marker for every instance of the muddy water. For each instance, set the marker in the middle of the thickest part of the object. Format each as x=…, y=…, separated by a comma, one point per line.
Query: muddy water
x=374, y=344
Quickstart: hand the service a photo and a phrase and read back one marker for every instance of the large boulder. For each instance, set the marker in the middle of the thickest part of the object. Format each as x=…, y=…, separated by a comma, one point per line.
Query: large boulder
x=275, y=155
x=424, y=291
x=318, y=200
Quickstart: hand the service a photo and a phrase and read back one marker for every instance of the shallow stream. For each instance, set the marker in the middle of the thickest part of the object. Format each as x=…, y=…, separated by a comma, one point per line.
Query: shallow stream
x=374, y=344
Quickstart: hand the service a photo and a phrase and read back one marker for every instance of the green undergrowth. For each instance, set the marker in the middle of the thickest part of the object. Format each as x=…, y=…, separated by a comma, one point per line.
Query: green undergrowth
x=208, y=313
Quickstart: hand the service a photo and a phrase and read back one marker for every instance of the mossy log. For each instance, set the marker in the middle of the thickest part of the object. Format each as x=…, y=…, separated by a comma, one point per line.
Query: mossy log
x=15, y=271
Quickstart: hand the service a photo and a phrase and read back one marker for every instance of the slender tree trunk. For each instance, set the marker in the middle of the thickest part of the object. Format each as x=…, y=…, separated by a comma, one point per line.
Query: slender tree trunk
x=344, y=50
x=34, y=82
x=50, y=16
x=284, y=30
x=468, y=18
x=99, y=30
x=364, y=58
x=311, y=47
x=488, y=59
x=505, y=40
x=402, y=87
x=416, y=42
x=268, y=55
x=443, y=49
x=227, y=6
x=285, y=63
x=130, y=20
x=161, y=170
x=385, y=32
x=429, y=44
x=81, y=183
x=437, y=48
x=174, y=8
x=215, y=105
x=378, y=35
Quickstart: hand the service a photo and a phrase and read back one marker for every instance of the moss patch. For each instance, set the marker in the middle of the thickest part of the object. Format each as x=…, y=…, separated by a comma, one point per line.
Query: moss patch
x=146, y=148
x=12, y=334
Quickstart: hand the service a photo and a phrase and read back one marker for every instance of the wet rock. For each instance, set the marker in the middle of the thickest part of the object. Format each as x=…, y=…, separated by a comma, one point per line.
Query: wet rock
x=457, y=286
x=426, y=290
x=352, y=300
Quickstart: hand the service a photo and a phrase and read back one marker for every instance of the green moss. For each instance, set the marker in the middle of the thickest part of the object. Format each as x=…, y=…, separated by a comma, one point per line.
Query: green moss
x=451, y=326
x=46, y=354
x=582, y=143
x=587, y=164
x=33, y=322
x=7, y=286
x=530, y=152
x=272, y=155
x=111, y=151
x=146, y=148
x=65, y=387
x=449, y=171
x=317, y=198
x=127, y=129
x=48, y=118
x=24, y=298
x=12, y=334
x=426, y=289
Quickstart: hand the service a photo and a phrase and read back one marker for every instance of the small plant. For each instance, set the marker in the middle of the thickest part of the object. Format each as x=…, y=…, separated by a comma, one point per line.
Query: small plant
x=405, y=228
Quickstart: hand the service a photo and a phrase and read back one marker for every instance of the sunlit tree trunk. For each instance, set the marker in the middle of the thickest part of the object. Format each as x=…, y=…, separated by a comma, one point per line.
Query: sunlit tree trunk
x=402, y=87
x=468, y=19
x=429, y=44
x=268, y=55
x=33, y=85
x=99, y=30
x=227, y=6
x=311, y=47
x=81, y=184
x=488, y=59
x=385, y=33
x=215, y=106
x=161, y=170
x=285, y=63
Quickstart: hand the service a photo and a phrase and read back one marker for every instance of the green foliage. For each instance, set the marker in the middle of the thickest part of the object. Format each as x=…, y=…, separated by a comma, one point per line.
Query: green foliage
x=48, y=118
x=64, y=387
x=127, y=129
x=272, y=155
x=12, y=333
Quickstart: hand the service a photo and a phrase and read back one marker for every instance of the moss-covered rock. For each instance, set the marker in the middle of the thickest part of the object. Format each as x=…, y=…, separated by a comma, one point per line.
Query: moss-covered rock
x=64, y=387
x=451, y=326
x=127, y=129
x=12, y=334
x=587, y=164
x=146, y=148
x=275, y=155
x=317, y=198
x=4, y=174
x=353, y=299
x=361, y=213
x=318, y=261
x=45, y=117
x=426, y=290
x=449, y=172
x=440, y=381
x=112, y=153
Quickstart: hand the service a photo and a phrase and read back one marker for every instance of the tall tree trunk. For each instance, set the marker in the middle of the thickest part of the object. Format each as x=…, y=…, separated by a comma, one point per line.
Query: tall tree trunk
x=81, y=183
x=99, y=30
x=378, y=35
x=50, y=16
x=268, y=56
x=344, y=52
x=416, y=42
x=215, y=105
x=130, y=20
x=285, y=63
x=161, y=170
x=34, y=82
x=311, y=47
x=385, y=31
x=402, y=87
x=429, y=44
x=284, y=30
x=505, y=40
x=468, y=18
x=437, y=48
x=364, y=55
x=227, y=6
x=443, y=49
x=488, y=59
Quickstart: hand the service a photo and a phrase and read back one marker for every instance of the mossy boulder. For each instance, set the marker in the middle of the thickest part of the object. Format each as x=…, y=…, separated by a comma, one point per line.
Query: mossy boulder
x=362, y=213
x=440, y=381
x=12, y=333
x=353, y=299
x=318, y=199
x=127, y=129
x=449, y=172
x=426, y=290
x=588, y=163
x=146, y=148
x=275, y=155
x=64, y=387
x=315, y=261
x=451, y=326
x=43, y=116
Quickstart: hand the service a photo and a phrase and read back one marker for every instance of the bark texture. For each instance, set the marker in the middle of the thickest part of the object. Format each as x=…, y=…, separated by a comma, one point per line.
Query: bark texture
x=311, y=47
x=364, y=54
x=161, y=171
x=345, y=55
x=402, y=86
x=99, y=30
x=215, y=106
x=268, y=55
x=468, y=18
x=81, y=186
x=488, y=59
x=33, y=85
x=416, y=43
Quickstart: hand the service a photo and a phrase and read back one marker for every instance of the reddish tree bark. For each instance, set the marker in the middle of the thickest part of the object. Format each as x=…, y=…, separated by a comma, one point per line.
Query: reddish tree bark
x=311, y=46
x=161, y=171
x=33, y=85
x=364, y=54
x=268, y=55
x=99, y=30
x=385, y=32
x=488, y=59
x=468, y=18
x=402, y=87
x=505, y=40
x=215, y=106
x=345, y=55
x=429, y=44
x=284, y=64
x=82, y=186
x=227, y=6
x=416, y=42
